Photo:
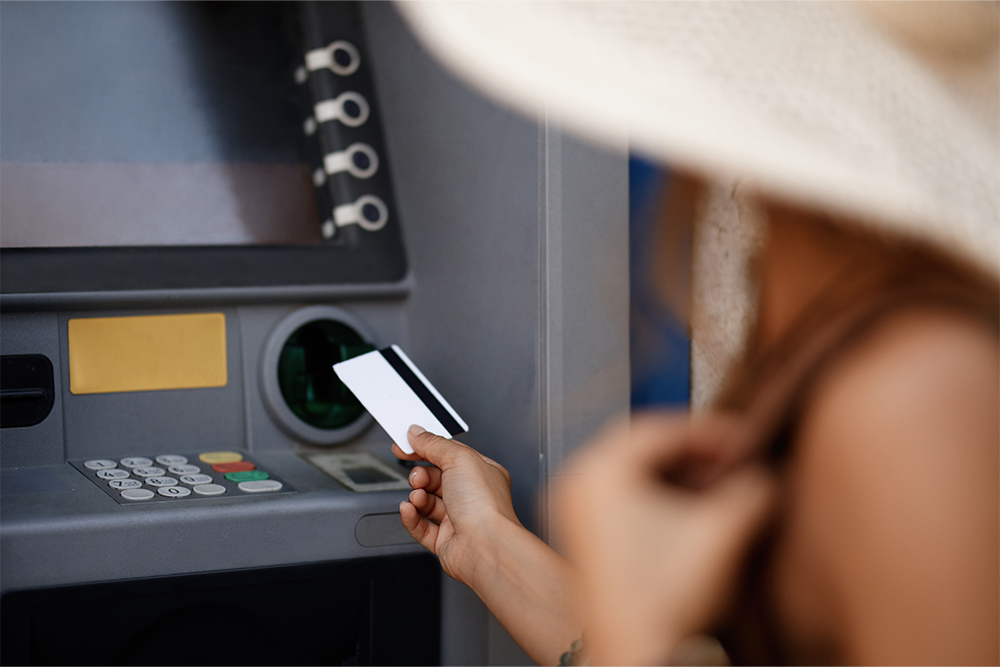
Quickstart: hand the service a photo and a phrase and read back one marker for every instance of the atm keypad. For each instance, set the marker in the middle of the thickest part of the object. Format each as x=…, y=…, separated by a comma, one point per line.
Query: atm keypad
x=139, y=479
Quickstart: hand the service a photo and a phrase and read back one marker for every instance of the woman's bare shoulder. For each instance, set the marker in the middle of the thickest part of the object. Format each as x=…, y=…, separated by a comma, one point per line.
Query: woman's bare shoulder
x=921, y=367
x=896, y=476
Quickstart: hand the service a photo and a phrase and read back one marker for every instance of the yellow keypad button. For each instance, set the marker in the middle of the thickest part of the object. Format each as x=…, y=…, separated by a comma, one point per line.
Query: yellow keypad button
x=220, y=457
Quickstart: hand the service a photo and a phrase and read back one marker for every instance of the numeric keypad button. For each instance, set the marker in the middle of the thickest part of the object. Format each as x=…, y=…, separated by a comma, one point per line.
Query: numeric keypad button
x=196, y=479
x=114, y=473
x=174, y=491
x=247, y=476
x=161, y=481
x=171, y=460
x=210, y=489
x=184, y=469
x=260, y=485
x=219, y=457
x=99, y=464
x=122, y=484
x=235, y=466
x=137, y=494
x=152, y=471
x=136, y=462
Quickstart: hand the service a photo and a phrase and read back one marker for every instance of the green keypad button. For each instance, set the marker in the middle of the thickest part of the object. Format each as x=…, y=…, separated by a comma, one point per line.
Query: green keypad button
x=247, y=476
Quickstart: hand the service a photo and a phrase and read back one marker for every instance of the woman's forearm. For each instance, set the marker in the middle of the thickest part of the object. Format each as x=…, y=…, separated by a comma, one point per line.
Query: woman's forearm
x=530, y=589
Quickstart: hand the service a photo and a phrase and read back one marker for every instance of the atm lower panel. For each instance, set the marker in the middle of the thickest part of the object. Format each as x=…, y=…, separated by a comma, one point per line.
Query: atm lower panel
x=373, y=611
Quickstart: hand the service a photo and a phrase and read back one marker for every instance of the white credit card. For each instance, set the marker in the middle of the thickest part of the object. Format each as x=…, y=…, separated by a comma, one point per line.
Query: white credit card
x=398, y=395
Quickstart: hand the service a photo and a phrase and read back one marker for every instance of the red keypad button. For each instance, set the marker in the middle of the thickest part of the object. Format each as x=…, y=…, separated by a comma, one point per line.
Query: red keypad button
x=234, y=466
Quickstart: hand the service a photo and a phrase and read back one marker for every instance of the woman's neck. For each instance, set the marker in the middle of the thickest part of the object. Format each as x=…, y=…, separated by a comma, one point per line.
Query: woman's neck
x=803, y=255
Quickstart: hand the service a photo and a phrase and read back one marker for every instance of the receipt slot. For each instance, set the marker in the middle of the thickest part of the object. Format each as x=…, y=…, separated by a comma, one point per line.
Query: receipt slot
x=301, y=391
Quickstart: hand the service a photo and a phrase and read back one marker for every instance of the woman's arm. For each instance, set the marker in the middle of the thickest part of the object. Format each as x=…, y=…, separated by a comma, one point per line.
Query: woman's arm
x=653, y=563
x=462, y=511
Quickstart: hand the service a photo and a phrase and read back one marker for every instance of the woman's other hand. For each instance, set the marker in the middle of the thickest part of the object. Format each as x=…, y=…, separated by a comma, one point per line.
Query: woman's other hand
x=657, y=533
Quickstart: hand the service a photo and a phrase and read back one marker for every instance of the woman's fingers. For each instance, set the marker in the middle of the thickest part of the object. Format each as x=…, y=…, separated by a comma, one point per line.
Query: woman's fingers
x=627, y=441
x=738, y=505
x=419, y=528
x=428, y=505
x=657, y=437
x=445, y=453
x=426, y=478
x=668, y=558
x=439, y=451
x=672, y=447
x=400, y=454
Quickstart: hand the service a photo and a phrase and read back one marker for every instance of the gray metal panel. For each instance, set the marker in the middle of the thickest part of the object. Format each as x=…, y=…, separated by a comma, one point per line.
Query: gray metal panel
x=517, y=238
x=380, y=530
x=585, y=292
x=221, y=296
x=79, y=534
x=501, y=647
x=466, y=173
x=119, y=424
x=41, y=444
x=464, y=623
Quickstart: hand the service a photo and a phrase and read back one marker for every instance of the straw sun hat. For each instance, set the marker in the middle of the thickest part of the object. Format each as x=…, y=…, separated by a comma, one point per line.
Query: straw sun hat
x=884, y=113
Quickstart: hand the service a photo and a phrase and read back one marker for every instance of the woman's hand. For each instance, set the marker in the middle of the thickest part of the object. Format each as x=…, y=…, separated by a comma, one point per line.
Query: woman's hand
x=457, y=506
x=657, y=533
x=462, y=511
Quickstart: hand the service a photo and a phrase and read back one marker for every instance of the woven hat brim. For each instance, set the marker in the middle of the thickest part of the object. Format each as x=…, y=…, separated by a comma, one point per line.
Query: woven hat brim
x=803, y=100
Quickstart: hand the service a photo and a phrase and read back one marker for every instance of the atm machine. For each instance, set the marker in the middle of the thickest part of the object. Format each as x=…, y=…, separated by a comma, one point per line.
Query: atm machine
x=202, y=207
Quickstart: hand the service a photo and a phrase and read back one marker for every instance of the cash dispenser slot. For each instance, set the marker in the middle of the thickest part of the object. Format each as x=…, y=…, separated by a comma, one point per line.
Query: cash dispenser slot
x=26, y=390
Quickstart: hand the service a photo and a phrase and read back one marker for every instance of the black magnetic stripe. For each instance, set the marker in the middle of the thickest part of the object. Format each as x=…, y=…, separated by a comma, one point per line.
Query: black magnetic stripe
x=422, y=392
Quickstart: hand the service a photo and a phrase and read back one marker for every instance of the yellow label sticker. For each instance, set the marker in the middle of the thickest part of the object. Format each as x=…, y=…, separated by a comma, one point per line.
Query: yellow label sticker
x=147, y=353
